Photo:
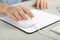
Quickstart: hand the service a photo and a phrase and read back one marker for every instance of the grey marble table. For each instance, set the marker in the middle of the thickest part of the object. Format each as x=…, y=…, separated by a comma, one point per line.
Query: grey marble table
x=7, y=32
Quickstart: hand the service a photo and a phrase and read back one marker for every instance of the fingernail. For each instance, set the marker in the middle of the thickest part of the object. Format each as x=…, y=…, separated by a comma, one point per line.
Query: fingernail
x=26, y=19
x=20, y=18
x=16, y=20
x=32, y=15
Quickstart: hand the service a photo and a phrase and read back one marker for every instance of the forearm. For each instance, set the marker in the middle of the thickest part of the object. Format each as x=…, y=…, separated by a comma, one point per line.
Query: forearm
x=3, y=8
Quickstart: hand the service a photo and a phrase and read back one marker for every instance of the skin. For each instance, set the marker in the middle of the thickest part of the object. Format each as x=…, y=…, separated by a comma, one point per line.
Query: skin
x=19, y=12
x=41, y=4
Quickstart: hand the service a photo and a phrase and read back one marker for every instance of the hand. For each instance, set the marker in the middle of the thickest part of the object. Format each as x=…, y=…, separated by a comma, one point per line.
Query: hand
x=41, y=4
x=18, y=13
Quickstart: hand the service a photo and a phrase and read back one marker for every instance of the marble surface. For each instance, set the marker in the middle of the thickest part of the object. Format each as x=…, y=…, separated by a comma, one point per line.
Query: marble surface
x=8, y=32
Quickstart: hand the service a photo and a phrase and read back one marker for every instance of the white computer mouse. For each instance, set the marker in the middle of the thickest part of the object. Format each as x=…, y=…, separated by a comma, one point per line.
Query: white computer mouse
x=29, y=22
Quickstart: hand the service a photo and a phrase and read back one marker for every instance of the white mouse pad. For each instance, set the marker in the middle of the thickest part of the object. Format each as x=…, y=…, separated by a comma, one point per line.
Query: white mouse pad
x=40, y=20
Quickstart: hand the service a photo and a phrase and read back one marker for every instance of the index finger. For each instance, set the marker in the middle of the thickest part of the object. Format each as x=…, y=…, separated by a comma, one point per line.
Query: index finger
x=27, y=11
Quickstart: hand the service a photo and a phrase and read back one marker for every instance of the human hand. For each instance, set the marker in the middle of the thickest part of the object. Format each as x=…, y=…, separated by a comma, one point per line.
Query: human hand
x=18, y=13
x=41, y=4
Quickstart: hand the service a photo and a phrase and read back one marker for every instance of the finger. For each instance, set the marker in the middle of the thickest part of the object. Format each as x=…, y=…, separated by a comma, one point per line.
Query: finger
x=38, y=2
x=41, y=4
x=47, y=5
x=22, y=14
x=44, y=5
x=17, y=15
x=13, y=17
x=34, y=4
x=27, y=12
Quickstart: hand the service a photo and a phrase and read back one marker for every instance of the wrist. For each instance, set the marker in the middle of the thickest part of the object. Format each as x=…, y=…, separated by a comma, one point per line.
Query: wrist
x=3, y=8
x=6, y=8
